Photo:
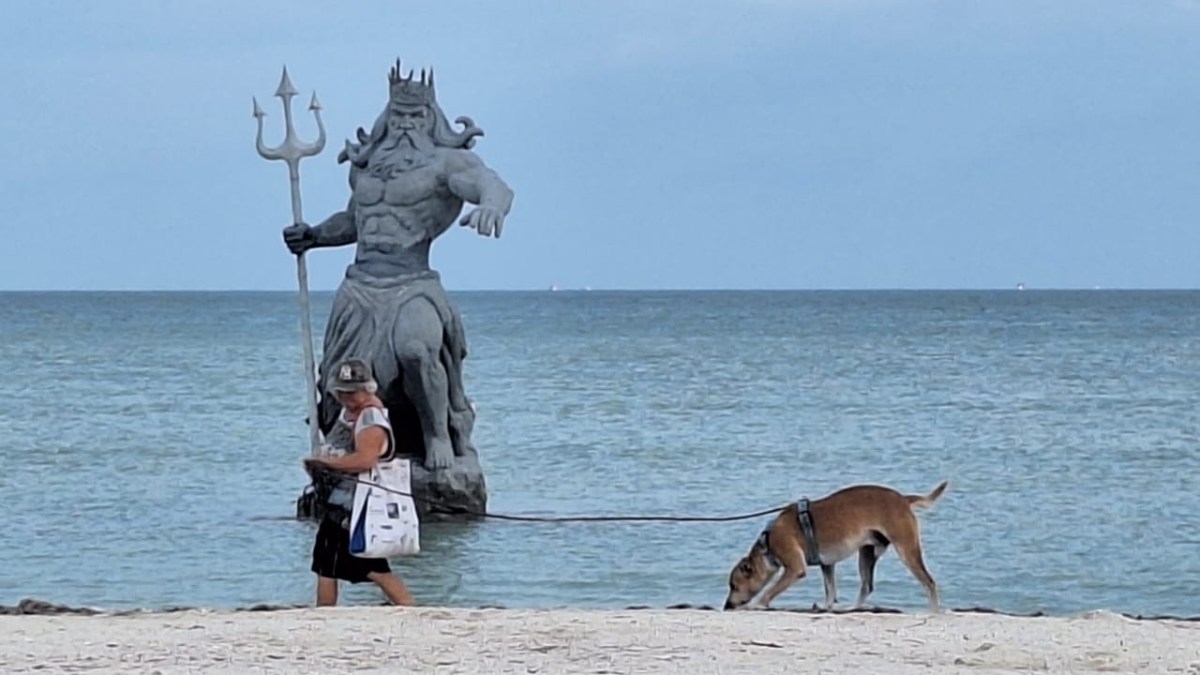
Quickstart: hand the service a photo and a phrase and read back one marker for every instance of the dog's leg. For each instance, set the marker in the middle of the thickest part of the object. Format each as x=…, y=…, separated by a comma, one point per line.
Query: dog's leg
x=830, y=586
x=785, y=580
x=909, y=551
x=868, y=556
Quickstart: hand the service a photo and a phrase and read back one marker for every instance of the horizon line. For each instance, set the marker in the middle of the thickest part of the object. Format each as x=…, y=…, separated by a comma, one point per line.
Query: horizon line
x=810, y=289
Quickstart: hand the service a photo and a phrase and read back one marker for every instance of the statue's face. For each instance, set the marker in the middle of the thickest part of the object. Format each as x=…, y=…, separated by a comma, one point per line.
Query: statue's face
x=408, y=120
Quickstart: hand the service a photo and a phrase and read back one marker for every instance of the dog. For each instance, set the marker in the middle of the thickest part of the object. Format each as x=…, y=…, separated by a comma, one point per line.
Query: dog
x=863, y=519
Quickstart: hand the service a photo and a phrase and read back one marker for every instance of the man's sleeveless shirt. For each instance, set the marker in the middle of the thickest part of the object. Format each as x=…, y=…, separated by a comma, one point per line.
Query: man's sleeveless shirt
x=339, y=487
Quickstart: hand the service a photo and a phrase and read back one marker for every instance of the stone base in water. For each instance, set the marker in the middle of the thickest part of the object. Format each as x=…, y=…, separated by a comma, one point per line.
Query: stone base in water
x=459, y=488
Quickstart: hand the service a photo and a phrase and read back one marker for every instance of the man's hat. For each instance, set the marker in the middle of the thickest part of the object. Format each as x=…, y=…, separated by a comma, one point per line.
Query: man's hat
x=352, y=375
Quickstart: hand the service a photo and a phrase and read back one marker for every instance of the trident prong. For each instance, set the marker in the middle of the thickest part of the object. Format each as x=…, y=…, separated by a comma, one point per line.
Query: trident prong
x=291, y=151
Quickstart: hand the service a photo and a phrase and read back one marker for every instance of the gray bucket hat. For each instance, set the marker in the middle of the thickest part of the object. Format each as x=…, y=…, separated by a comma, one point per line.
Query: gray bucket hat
x=352, y=375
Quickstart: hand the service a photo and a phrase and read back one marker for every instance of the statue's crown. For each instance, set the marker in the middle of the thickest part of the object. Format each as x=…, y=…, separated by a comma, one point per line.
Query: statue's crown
x=409, y=90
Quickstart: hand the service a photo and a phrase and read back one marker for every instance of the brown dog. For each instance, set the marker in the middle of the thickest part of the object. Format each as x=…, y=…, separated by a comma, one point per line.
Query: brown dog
x=862, y=518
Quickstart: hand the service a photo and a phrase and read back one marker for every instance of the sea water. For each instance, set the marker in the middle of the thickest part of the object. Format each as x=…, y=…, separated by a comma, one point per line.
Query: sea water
x=151, y=445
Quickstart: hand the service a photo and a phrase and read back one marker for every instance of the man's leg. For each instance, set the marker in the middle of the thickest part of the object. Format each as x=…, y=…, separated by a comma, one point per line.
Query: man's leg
x=327, y=591
x=395, y=590
x=324, y=562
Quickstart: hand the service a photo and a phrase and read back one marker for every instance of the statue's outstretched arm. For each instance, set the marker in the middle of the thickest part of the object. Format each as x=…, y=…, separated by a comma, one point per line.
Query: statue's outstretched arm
x=472, y=181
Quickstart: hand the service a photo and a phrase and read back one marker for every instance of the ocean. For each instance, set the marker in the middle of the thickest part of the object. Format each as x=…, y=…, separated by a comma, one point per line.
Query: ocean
x=151, y=445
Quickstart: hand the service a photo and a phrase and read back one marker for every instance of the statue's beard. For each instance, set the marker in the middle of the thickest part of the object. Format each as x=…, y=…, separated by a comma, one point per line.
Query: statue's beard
x=406, y=142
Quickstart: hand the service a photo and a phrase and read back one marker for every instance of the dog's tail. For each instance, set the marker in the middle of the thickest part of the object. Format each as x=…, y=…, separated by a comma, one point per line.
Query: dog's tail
x=924, y=502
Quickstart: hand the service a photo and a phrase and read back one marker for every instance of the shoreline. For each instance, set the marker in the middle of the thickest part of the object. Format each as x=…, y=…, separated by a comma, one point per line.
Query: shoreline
x=443, y=640
x=35, y=607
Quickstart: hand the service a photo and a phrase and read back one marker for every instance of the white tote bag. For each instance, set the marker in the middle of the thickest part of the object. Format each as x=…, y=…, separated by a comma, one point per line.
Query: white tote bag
x=384, y=524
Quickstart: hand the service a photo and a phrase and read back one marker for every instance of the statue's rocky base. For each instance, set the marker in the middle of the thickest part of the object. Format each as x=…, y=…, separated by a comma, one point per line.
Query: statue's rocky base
x=455, y=493
x=459, y=488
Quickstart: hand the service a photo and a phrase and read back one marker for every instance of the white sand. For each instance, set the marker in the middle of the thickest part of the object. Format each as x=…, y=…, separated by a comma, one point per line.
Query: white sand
x=393, y=640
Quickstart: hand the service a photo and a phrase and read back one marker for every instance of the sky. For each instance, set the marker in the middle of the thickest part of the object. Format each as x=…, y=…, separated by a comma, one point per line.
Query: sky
x=669, y=144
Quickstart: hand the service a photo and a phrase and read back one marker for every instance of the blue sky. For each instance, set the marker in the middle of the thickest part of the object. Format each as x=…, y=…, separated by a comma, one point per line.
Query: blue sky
x=715, y=144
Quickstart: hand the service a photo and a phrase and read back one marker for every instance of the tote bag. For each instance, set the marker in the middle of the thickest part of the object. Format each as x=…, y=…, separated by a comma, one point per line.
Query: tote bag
x=384, y=524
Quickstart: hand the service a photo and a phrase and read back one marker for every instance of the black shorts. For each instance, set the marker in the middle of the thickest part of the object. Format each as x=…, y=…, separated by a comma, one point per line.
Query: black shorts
x=331, y=556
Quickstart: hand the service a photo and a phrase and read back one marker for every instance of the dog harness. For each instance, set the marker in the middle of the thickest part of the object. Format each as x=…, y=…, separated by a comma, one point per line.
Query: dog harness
x=812, y=555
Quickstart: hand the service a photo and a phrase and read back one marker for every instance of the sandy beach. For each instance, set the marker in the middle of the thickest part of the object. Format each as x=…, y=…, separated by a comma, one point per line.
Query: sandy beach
x=426, y=640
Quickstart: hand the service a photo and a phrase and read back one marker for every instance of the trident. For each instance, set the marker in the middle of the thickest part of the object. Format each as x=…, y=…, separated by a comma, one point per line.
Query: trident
x=292, y=151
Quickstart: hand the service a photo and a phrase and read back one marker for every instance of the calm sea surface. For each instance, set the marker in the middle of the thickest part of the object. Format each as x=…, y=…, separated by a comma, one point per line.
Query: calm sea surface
x=147, y=440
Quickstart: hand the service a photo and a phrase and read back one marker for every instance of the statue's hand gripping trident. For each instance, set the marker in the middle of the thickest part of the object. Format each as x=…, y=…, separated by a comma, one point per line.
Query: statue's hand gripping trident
x=292, y=150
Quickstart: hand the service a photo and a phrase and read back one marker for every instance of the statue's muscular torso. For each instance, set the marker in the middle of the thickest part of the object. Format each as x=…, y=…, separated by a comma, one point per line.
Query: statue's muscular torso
x=399, y=211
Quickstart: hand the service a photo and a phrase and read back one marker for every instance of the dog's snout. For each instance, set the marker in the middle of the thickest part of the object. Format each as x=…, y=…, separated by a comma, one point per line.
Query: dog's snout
x=728, y=605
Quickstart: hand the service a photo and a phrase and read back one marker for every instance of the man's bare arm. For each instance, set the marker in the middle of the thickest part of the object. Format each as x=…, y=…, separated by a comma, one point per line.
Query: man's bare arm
x=368, y=446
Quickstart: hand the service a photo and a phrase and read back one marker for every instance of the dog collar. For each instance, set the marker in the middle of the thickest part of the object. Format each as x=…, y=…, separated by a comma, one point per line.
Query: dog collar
x=764, y=540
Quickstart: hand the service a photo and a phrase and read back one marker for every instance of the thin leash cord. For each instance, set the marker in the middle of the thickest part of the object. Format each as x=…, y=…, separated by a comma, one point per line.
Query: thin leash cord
x=560, y=519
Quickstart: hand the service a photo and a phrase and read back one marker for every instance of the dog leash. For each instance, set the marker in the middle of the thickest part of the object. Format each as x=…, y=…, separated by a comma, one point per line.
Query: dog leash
x=460, y=510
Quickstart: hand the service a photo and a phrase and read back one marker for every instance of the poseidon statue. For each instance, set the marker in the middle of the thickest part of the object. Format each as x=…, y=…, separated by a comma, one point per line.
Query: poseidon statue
x=409, y=179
